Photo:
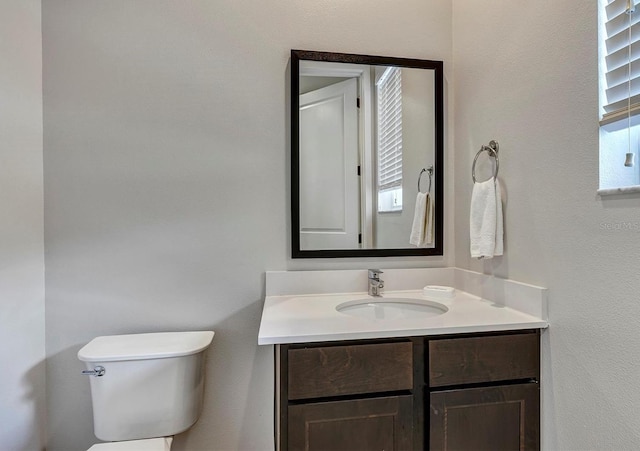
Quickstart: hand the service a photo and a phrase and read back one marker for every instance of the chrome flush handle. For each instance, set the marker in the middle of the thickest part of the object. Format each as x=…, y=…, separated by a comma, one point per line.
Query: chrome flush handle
x=96, y=372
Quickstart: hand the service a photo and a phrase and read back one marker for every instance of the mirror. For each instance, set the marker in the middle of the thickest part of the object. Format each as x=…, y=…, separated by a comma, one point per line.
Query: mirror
x=366, y=134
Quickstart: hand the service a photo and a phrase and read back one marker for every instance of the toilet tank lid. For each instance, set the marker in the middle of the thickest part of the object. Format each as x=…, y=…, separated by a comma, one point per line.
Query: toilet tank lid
x=158, y=345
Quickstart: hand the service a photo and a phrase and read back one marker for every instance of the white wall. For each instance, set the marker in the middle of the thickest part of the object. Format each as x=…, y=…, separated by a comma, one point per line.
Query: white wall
x=526, y=75
x=166, y=181
x=22, y=384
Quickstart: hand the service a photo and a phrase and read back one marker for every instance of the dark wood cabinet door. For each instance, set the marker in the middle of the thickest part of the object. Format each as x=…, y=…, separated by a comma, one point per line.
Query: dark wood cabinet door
x=353, y=425
x=502, y=418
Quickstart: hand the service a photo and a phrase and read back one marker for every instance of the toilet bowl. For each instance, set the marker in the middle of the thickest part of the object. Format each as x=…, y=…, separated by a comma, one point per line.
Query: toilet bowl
x=145, y=388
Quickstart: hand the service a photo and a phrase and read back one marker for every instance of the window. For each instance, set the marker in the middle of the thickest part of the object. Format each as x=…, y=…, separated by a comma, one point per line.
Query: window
x=619, y=67
x=389, y=139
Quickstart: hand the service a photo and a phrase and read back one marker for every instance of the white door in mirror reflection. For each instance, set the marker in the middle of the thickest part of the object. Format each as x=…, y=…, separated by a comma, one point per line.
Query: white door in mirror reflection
x=329, y=196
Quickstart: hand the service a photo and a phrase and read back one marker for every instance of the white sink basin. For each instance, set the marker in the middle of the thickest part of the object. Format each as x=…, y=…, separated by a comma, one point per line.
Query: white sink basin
x=392, y=308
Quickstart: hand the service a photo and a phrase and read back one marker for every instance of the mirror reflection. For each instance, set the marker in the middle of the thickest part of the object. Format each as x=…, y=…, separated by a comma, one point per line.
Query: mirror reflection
x=367, y=134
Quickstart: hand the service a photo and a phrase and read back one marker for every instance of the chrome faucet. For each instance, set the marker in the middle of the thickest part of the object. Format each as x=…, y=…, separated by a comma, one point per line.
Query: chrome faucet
x=375, y=284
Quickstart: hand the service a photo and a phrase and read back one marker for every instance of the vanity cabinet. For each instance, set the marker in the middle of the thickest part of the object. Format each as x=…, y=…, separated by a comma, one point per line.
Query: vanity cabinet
x=464, y=392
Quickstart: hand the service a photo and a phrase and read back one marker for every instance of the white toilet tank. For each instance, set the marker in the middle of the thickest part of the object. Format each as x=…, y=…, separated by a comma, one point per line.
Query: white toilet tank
x=152, y=385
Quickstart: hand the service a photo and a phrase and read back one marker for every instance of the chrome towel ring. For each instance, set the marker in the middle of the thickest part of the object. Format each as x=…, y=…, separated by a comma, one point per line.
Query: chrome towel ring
x=430, y=171
x=492, y=150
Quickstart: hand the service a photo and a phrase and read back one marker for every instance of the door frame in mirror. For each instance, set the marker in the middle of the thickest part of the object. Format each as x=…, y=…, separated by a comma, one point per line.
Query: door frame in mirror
x=438, y=183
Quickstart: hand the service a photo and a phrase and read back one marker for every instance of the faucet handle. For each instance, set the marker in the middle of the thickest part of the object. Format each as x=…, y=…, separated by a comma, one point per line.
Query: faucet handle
x=375, y=273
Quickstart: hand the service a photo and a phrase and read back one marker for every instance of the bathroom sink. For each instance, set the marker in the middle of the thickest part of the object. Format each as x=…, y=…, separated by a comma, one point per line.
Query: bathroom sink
x=392, y=308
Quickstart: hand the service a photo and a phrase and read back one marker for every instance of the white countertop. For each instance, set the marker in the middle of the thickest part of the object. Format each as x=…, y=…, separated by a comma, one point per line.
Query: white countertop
x=301, y=318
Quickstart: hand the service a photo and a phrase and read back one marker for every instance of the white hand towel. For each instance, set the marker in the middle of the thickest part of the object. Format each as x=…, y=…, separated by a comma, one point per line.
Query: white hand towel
x=486, y=227
x=423, y=227
x=419, y=219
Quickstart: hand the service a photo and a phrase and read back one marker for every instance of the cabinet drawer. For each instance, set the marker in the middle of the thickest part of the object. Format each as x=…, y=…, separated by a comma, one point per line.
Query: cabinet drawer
x=346, y=370
x=483, y=359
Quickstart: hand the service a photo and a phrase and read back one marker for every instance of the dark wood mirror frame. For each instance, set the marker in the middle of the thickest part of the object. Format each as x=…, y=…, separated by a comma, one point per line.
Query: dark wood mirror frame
x=437, y=67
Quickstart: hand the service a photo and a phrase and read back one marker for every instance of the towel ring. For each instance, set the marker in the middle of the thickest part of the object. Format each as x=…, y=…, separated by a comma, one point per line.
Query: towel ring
x=492, y=150
x=430, y=171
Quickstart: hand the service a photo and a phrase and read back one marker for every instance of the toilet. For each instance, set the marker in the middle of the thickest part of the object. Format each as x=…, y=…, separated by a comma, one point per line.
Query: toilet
x=145, y=388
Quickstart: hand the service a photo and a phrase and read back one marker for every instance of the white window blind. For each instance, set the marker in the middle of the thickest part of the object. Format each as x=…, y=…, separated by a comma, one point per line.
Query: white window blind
x=621, y=60
x=389, y=111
